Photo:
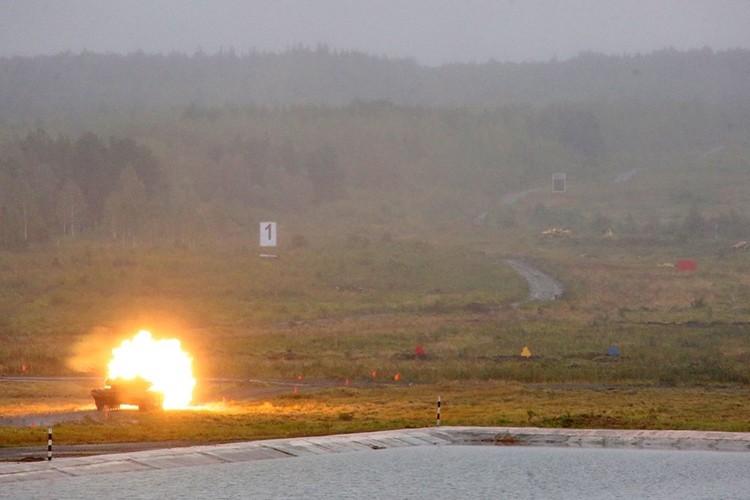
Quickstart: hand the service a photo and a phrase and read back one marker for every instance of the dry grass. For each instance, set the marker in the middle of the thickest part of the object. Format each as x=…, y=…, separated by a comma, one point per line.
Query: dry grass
x=345, y=409
x=18, y=398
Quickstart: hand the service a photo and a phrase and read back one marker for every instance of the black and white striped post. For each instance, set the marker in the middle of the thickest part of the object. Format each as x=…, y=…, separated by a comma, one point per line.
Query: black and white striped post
x=438, y=412
x=49, y=443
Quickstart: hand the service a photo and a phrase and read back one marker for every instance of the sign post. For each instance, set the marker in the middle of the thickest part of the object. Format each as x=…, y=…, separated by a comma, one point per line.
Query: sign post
x=268, y=234
x=438, y=412
x=558, y=183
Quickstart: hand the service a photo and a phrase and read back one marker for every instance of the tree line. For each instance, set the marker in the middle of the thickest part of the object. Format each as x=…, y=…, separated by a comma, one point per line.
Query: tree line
x=66, y=187
x=198, y=172
x=84, y=83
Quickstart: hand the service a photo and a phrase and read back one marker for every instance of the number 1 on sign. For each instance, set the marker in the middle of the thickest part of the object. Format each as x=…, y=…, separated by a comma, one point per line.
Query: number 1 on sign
x=268, y=234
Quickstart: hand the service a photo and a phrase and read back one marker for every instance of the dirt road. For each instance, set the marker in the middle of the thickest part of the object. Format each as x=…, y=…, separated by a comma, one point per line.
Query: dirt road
x=229, y=389
x=541, y=286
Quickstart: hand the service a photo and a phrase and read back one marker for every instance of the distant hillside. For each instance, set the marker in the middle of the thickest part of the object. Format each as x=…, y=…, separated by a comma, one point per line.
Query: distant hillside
x=76, y=84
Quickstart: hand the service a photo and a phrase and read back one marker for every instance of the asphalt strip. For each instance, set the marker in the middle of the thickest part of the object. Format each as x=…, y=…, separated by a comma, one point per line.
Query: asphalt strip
x=169, y=458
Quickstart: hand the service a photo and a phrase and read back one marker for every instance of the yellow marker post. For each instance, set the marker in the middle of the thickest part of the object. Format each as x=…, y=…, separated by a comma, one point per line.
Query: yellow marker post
x=525, y=353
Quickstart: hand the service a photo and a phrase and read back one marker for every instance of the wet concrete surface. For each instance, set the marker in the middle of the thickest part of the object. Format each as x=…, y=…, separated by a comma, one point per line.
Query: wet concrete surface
x=191, y=456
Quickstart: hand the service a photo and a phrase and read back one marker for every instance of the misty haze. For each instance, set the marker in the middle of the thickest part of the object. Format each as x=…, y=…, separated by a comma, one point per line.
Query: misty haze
x=343, y=210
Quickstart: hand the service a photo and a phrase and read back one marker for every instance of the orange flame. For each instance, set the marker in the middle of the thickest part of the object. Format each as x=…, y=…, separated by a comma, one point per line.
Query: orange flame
x=161, y=362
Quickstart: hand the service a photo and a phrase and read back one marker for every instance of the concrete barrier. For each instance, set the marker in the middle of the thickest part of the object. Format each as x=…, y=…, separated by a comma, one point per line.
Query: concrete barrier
x=433, y=436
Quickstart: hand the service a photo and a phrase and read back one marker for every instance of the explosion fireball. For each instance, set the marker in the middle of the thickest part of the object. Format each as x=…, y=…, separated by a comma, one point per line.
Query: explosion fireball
x=161, y=362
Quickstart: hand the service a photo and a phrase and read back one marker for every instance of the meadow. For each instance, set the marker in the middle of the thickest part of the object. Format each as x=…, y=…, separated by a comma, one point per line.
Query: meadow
x=348, y=320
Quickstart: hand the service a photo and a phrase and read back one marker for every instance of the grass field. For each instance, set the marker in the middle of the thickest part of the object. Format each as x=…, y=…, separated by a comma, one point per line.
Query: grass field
x=357, y=310
x=342, y=409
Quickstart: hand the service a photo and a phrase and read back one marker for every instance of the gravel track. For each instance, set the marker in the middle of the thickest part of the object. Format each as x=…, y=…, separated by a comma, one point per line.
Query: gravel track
x=541, y=286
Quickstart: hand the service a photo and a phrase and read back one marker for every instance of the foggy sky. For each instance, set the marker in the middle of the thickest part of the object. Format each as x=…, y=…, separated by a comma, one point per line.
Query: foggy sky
x=431, y=31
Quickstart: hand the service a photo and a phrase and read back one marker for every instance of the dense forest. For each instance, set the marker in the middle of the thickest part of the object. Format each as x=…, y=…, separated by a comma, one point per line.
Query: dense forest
x=191, y=149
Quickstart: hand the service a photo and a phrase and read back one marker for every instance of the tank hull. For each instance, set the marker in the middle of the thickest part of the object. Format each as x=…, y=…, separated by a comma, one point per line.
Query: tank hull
x=127, y=392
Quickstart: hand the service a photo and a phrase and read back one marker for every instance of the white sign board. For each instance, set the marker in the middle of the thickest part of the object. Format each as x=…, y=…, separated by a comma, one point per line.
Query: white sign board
x=268, y=234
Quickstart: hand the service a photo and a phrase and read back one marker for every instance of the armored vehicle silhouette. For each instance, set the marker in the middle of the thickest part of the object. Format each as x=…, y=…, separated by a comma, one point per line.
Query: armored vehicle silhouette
x=127, y=392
